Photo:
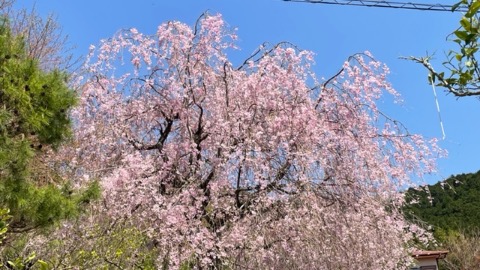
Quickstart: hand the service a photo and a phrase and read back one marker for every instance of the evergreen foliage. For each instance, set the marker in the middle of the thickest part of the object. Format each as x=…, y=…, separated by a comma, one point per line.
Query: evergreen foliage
x=34, y=107
x=450, y=205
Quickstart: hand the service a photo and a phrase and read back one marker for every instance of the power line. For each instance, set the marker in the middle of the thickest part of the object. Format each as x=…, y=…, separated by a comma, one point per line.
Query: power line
x=386, y=4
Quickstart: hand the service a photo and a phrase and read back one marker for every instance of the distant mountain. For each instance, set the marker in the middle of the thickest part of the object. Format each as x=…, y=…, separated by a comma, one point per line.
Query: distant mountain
x=452, y=204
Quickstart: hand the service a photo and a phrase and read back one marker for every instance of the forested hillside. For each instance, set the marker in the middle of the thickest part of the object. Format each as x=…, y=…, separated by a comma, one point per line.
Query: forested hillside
x=452, y=204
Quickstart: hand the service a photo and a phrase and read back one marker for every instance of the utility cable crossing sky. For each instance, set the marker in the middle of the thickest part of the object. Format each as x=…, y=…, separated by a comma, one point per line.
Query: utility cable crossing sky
x=386, y=4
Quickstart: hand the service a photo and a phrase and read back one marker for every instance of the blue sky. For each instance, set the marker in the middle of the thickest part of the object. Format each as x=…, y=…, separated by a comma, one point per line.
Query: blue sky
x=332, y=32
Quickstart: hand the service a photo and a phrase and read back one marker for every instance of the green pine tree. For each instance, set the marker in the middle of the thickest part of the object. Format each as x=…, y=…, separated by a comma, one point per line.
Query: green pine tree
x=34, y=107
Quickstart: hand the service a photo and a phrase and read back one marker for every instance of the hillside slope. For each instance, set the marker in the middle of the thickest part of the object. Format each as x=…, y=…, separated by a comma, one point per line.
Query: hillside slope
x=452, y=204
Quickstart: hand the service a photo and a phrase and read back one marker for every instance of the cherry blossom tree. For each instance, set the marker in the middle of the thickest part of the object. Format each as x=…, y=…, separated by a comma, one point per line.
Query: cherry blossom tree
x=259, y=165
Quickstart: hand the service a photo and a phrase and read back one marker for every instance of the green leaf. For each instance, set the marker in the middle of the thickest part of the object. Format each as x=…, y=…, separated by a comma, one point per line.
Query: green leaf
x=461, y=34
x=451, y=81
x=473, y=9
x=31, y=257
x=464, y=78
x=43, y=265
x=471, y=51
x=459, y=57
x=470, y=38
x=466, y=24
x=474, y=28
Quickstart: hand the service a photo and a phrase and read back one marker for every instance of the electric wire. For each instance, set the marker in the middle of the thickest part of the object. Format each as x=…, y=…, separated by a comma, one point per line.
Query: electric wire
x=388, y=4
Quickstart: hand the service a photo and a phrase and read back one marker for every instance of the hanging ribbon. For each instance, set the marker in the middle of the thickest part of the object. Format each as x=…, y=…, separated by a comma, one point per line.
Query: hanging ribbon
x=438, y=105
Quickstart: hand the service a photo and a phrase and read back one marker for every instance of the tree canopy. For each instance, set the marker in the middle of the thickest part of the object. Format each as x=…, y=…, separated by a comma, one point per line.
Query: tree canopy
x=251, y=166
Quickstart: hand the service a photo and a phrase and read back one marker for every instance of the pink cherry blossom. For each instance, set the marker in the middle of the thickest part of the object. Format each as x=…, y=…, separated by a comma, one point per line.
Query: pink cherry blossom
x=257, y=166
